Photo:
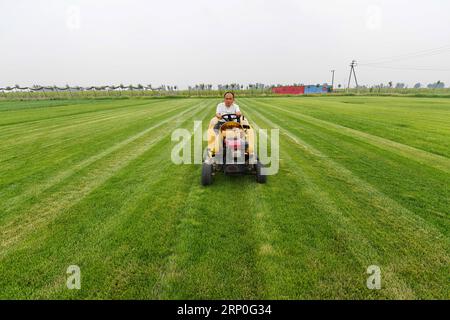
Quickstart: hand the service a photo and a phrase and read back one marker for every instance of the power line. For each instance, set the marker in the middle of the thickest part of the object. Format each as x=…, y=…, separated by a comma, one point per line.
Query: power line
x=409, y=68
x=418, y=54
x=406, y=58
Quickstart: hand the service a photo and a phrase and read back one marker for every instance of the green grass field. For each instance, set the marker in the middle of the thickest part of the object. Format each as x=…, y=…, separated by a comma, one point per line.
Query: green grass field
x=363, y=181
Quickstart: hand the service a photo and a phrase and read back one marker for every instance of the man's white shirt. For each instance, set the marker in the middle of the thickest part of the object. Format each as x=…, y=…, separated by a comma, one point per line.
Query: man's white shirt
x=223, y=109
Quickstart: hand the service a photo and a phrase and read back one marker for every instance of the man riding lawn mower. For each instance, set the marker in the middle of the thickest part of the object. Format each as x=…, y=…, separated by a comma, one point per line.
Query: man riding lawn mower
x=230, y=144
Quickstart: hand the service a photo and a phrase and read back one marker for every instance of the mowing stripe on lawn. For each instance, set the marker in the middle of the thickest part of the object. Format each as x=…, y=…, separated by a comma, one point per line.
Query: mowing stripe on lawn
x=404, y=179
x=144, y=196
x=60, y=136
x=61, y=125
x=411, y=121
x=421, y=156
x=359, y=245
x=347, y=235
x=354, y=180
x=378, y=196
x=79, y=133
x=141, y=227
x=68, y=112
x=44, y=211
x=109, y=150
x=37, y=188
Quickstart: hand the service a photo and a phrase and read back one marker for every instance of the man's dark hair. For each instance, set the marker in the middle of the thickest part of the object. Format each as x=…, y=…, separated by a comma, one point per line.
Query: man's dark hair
x=228, y=92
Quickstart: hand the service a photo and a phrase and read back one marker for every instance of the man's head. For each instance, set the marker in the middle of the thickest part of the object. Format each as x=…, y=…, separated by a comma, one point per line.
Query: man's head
x=228, y=98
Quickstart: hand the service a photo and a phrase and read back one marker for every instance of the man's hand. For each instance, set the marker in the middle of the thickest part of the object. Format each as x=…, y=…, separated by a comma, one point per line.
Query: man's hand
x=219, y=116
x=238, y=113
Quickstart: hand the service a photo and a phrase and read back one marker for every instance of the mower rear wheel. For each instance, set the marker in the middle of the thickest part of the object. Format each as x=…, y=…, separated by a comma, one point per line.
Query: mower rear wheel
x=206, y=174
x=260, y=178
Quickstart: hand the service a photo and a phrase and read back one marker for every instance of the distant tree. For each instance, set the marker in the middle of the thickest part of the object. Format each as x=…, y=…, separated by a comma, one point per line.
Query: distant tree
x=390, y=84
x=417, y=85
x=400, y=85
x=436, y=85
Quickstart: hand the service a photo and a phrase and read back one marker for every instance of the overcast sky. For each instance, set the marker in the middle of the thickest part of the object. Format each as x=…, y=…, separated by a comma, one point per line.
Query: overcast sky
x=94, y=42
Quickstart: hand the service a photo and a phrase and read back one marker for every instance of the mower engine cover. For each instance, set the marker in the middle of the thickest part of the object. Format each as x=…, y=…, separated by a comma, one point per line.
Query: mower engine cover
x=234, y=144
x=235, y=150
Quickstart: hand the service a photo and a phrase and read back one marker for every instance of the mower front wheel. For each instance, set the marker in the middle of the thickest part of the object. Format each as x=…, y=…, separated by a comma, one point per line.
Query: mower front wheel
x=260, y=178
x=206, y=174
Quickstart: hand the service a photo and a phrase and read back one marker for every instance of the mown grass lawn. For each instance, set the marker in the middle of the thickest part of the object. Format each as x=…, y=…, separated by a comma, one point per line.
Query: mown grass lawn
x=363, y=181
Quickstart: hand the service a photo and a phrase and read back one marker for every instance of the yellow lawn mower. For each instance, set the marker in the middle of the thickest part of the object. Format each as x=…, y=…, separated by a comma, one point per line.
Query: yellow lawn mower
x=231, y=149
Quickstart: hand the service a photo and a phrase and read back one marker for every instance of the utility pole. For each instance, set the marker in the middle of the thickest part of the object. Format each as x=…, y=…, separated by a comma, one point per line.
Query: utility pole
x=332, y=80
x=352, y=71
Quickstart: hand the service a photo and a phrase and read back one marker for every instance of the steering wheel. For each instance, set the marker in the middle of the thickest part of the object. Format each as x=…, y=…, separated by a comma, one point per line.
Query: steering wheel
x=231, y=117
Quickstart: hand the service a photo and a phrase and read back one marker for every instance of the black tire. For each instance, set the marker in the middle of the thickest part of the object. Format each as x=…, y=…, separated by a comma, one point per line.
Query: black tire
x=206, y=174
x=260, y=178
